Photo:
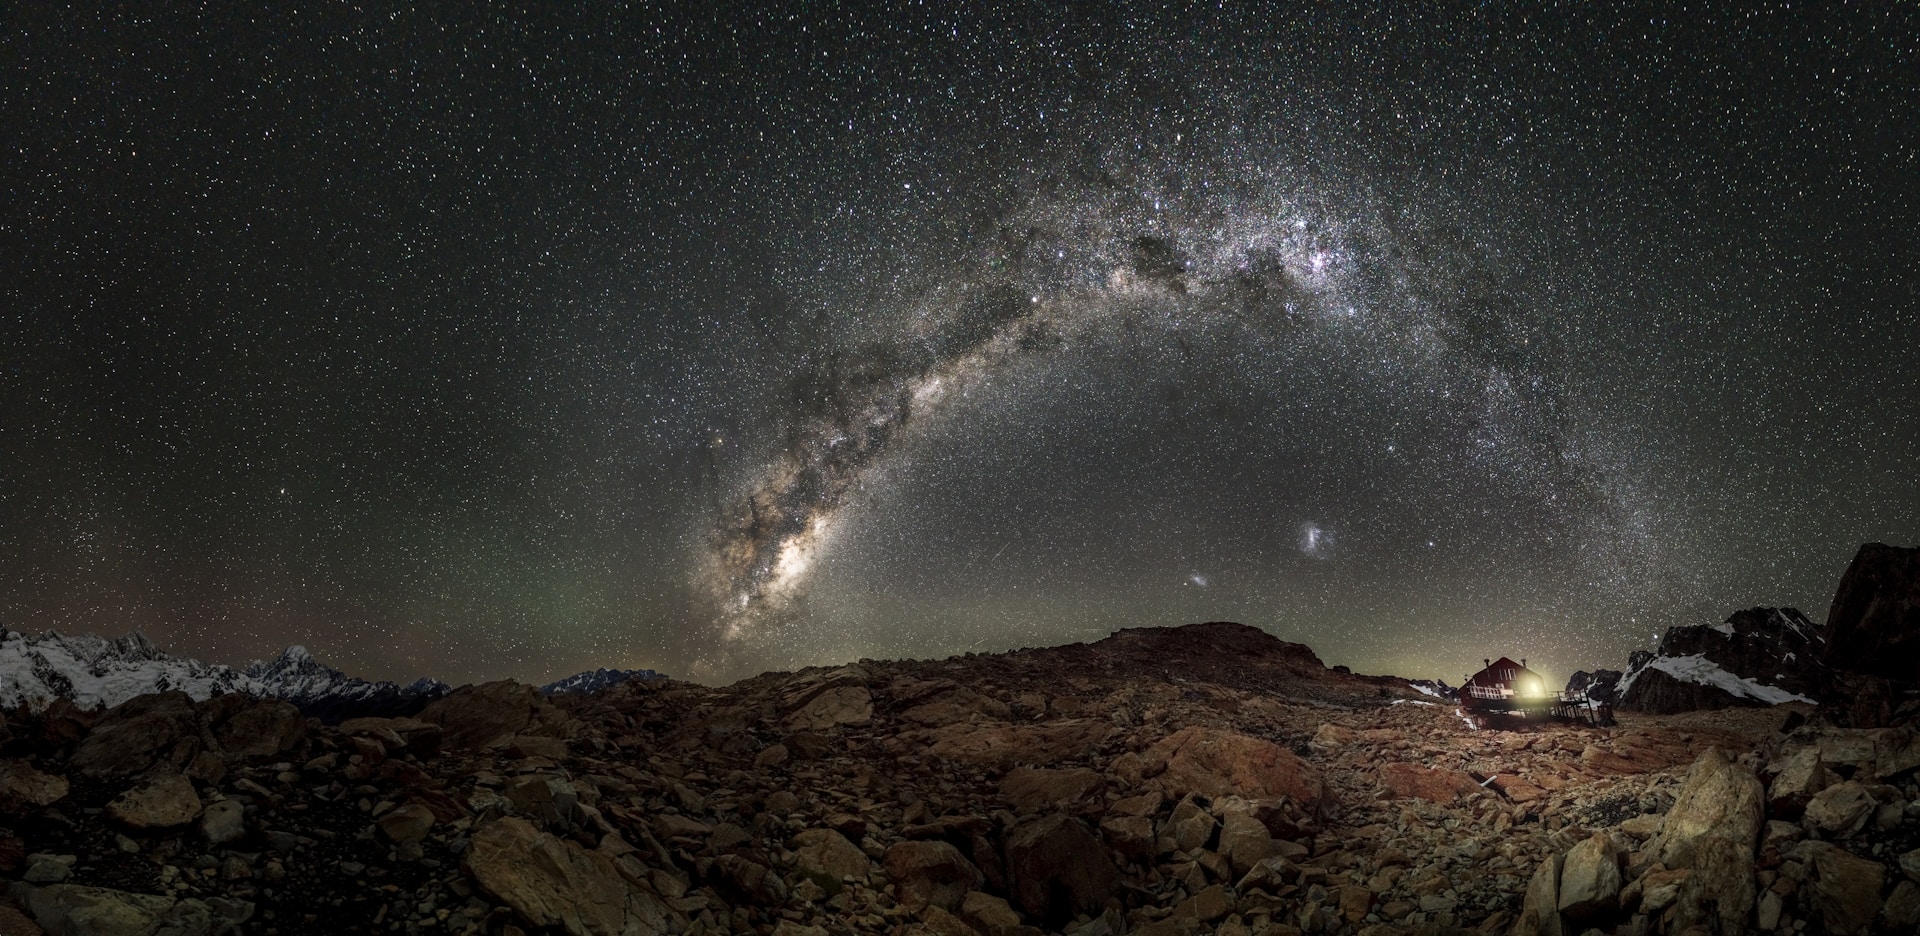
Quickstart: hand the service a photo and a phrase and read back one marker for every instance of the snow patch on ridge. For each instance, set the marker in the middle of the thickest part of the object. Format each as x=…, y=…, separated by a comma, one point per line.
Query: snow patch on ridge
x=1702, y=671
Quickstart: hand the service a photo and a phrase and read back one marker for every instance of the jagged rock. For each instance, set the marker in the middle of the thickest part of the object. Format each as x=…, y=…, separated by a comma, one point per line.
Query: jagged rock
x=74, y=910
x=825, y=857
x=1902, y=910
x=1590, y=879
x=1190, y=828
x=1842, y=809
x=839, y=705
x=1058, y=869
x=1711, y=830
x=1131, y=836
x=551, y=882
x=406, y=823
x=1433, y=784
x=477, y=716
x=930, y=873
x=1844, y=889
x=987, y=913
x=1799, y=778
x=1034, y=788
x=162, y=801
x=22, y=787
x=417, y=737
x=1540, y=911
x=262, y=730
x=15, y=923
x=223, y=822
x=1214, y=762
x=747, y=880
x=1873, y=625
x=131, y=736
x=1245, y=842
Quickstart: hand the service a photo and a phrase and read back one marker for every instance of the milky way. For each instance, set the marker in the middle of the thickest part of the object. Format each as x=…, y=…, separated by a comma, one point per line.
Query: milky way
x=483, y=342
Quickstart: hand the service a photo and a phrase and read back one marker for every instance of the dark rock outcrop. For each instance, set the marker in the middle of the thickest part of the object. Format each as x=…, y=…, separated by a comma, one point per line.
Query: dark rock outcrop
x=1873, y=626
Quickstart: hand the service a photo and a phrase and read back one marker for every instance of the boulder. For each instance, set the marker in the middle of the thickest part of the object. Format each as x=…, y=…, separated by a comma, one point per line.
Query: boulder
x=1843, y=889
x=135, y=734
x=1433, y=784
x=1873, y=625
x=827, y=858
x=743, y=880
x=926, y=873
x=1590, y=879
x=1540, y=909
x=1130, y=836
x=163, y=801
x=1035, y=788
x=23, y=788
x=1902, y=910
x=1711, y=830
x=839, y=705
x=1842, y=809
x=263, y=729
x=1800, y=777
x=1058, y=869
x=223, y=822
x=1245, y=842
x=477, y=716
x=406, y=823
x=1215, y=762
x=1189, y=829
x=550, y=882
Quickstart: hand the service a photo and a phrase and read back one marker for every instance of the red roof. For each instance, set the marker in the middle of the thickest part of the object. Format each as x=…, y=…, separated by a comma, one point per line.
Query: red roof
x=1501, y=672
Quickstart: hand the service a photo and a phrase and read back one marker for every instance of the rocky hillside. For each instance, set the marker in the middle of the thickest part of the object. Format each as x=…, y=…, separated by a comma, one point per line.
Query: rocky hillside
x=1163, y=782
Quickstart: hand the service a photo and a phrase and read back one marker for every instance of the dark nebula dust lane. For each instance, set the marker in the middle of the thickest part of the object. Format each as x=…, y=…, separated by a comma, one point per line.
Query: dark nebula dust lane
x=502, y=343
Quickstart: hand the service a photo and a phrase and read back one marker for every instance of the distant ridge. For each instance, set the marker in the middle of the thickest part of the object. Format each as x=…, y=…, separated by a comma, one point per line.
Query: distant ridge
x=98, y=672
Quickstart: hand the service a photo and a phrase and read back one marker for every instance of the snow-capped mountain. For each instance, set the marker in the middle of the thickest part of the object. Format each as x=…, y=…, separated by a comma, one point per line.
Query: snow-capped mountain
x=1437, y=688
x=328, y=694
x=1760, y=656
x=597, y=680
x=95, y=672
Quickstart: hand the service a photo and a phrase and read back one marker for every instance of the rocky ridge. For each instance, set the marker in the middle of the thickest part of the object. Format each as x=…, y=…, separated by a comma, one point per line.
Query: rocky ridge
x=1163, y=782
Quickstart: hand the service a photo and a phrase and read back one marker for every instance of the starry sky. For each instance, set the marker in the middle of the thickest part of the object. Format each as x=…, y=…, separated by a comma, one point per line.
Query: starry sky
x=481, y=341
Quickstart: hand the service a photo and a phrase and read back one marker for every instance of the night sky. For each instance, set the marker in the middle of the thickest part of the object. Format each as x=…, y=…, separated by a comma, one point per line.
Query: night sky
x=511, y=342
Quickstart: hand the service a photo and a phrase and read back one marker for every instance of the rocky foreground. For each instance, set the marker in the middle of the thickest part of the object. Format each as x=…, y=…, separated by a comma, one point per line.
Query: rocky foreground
x=1162, y=782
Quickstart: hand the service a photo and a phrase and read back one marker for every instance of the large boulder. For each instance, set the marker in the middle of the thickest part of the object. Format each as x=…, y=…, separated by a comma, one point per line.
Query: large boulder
x=933, y=873
x=1844, y=889
x=1590, y=879
x=1712, y=830
x=23, y=788
x=827, y=858
x=1841, y=809
x=1873, y=625
x=163, y=801
x=1059, y=869
x=1540, y=909
x=262, y=730
x=1036, y=788
x=551, y=882
x=135, y=734
x=1214, y=762
x=477, y=716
